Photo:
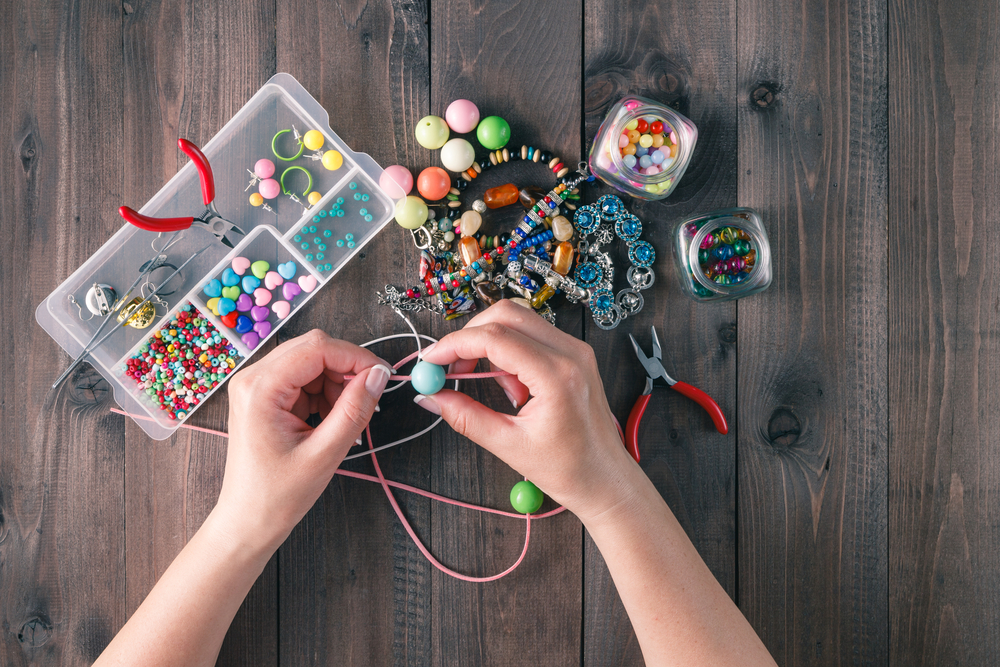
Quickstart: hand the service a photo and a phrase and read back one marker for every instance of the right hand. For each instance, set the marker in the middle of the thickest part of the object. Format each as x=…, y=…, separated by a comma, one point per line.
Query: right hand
x=564, y=438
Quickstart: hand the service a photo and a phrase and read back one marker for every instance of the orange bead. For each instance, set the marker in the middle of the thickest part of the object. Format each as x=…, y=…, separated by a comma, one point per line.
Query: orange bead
x=501, y=196
x=433, y=183
x=657, y=140
x=629, y=150
x=468, y=247
x=562, y=260
x=633, y=136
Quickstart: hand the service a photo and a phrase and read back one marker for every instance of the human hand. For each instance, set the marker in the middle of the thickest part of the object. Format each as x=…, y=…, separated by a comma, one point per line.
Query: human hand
x=277, y=465
x=564, y=438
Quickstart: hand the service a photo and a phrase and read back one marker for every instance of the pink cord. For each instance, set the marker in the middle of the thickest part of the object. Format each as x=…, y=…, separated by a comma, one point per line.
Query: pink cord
x=386, y=484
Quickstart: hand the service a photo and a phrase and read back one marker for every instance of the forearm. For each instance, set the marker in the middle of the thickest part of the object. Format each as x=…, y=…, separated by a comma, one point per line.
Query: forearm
x=680, y=613
x=185, y=617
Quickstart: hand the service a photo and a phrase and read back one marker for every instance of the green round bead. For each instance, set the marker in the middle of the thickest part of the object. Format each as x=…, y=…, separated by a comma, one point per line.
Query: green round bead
x=526, y=498
x=493, y=132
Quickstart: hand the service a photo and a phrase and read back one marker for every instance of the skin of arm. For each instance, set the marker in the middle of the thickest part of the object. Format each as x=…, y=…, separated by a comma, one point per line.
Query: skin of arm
x=276, y=468
x=564, y=439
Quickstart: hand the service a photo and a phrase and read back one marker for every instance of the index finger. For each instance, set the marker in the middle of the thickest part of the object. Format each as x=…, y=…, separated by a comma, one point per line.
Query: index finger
x=296, y=363
x=508, y=348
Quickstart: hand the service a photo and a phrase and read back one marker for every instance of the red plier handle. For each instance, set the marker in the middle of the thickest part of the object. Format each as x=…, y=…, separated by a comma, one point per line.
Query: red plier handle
x=204, y=169
x=695, y=394
x=151, y=224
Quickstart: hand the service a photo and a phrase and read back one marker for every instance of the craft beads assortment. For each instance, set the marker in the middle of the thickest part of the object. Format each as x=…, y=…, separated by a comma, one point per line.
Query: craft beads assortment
x=245, y=301
x=722, y=255
x=643, y=148
x=462, y=262
x=184, y=360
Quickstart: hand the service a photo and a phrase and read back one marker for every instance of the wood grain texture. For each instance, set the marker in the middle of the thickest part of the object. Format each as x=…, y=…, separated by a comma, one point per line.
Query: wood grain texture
x=61, y=507
x=691, y=67
x=812, y=373
x=519, y=61
x=944, y=568
x=352, y=585
x=188, y=67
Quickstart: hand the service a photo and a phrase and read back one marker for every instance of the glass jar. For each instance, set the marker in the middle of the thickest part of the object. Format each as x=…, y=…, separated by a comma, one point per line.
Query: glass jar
x=722, y=255
x=643, y=148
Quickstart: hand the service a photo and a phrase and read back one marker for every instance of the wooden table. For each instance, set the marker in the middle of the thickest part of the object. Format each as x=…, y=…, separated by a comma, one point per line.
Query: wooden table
x=850, y=512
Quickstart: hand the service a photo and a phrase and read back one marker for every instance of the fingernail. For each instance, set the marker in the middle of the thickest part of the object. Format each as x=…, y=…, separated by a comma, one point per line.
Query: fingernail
x=428, y=404
x=427, y=350
x=358, y=441
x=377, y=408
x=510, y=398
x=377, y=378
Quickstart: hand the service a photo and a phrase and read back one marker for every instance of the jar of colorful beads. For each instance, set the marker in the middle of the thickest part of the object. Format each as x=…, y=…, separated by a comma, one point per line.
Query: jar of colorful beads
x=723, y=255
x=643, y=148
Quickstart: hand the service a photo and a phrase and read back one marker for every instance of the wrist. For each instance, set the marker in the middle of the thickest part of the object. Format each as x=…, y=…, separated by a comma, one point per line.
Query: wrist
x=257, y=540
x=619, y=488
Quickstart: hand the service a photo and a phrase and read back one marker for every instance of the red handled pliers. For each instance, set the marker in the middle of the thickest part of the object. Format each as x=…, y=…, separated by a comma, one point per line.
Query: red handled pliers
x=654, y=369
x=211, y=219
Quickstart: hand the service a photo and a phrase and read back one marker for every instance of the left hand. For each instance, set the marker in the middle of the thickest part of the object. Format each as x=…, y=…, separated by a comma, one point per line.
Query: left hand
x=277, y=465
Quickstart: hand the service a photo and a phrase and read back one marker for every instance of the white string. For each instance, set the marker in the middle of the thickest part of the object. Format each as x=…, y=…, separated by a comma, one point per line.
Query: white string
x=417, y=337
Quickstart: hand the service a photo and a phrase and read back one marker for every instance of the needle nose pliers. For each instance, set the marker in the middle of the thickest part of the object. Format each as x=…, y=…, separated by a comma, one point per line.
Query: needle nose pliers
x=211, y=219
x=654, y=369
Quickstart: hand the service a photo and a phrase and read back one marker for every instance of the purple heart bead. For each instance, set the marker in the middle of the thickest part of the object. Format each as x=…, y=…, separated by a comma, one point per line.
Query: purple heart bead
x=259, y=313
x=262, y=328
x=290, y=291
x=250, y=339
x=244, y=303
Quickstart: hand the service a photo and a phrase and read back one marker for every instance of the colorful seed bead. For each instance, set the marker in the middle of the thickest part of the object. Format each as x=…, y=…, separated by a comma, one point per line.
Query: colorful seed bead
x=181, y=362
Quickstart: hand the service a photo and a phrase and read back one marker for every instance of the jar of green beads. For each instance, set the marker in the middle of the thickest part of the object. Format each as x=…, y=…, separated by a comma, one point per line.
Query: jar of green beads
x=722, y=255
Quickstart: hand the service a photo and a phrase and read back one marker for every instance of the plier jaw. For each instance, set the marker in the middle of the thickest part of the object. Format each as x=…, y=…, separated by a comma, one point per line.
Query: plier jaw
x=219, y=226
x=654, y=369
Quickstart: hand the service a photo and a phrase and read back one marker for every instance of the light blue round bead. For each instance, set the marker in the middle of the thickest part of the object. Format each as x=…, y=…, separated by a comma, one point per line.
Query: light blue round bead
x=427, y=378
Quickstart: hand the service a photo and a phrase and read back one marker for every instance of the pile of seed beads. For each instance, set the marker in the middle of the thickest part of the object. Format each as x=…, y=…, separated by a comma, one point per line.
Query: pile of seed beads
x=648, y=145
x=185, y=359
x=727, y=257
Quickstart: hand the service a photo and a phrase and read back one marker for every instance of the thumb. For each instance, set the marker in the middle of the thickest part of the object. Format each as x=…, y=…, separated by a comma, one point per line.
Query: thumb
x=469, y=418
x=353, y=409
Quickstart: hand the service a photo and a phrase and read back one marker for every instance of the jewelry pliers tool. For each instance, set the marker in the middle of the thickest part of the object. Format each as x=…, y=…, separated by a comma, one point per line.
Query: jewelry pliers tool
x=654, y=369
x=211, y=219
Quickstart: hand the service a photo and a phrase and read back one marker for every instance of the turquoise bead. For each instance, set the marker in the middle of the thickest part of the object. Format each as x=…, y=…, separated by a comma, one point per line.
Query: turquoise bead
x=427, y=378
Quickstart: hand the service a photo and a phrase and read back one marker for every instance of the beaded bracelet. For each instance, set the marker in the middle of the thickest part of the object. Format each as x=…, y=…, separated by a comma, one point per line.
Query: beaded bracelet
x=450, y=284
x=595, y=270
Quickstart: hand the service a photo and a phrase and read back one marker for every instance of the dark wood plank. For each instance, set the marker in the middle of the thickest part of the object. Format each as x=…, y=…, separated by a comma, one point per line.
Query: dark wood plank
x=812, y=373
x=519, y=61
x=352, y=585
x=61, y=459
x=188, y=68
x=943, y=528
x=690, y=66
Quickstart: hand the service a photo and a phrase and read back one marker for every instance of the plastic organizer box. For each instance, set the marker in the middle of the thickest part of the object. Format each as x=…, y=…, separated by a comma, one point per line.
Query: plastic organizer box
x=289, y=234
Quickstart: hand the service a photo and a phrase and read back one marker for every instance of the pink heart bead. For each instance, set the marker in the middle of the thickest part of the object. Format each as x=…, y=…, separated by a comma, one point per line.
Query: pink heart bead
x=261, y=296
x=240, y=265
x=259, y=313
x=307, y=283
x=272, y=280
x=244, y=303
x=281, y=308
x=263, y=328
x=290, y=291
